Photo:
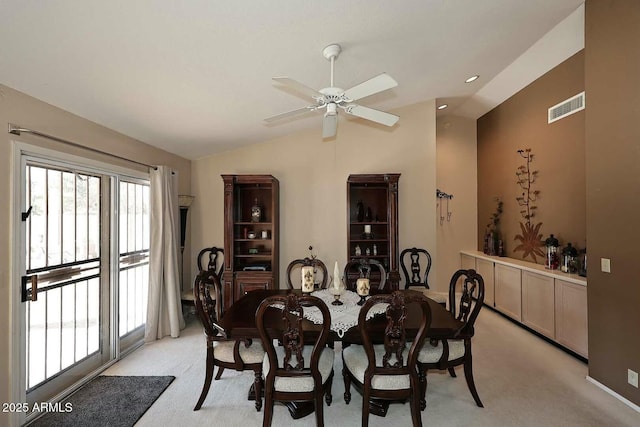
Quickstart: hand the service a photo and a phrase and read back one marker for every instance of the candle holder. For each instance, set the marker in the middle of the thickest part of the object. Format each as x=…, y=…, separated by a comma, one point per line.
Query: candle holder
x=337, y=289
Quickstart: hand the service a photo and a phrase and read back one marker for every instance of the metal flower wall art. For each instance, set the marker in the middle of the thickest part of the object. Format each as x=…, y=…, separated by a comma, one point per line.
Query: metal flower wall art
x=531, y=238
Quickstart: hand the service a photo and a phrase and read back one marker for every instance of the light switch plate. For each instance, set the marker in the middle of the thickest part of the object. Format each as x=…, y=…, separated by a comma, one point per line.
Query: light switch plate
x=632, y=378
x=605, y=265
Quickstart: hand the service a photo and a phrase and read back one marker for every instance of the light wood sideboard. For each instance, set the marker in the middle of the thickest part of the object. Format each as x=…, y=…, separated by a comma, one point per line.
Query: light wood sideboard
x=549, y=302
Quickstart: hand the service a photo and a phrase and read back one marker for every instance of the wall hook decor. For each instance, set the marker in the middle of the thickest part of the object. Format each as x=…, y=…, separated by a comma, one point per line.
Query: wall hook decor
x=442, y=195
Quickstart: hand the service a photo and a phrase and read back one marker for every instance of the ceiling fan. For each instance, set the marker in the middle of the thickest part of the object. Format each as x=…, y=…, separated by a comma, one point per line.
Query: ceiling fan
x=331, y=98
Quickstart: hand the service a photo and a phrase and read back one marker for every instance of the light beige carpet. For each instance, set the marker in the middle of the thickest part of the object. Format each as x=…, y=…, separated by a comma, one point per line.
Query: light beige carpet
x=521, y=379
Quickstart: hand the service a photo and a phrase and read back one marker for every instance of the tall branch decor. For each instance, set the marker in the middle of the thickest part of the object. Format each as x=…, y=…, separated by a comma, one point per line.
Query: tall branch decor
x=531, y=238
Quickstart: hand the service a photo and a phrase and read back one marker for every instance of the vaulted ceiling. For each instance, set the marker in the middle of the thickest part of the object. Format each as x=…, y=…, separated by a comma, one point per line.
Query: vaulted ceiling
x=194, y=77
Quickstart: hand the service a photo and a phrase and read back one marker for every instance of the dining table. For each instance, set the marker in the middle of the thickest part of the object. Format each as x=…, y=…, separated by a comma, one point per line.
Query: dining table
x=238, y=322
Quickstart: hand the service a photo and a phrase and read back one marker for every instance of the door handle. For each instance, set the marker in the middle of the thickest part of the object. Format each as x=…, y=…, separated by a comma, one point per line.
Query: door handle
x=30, y=294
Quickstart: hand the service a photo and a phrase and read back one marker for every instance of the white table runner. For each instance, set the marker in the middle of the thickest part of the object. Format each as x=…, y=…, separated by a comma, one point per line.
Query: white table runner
x=343, y=317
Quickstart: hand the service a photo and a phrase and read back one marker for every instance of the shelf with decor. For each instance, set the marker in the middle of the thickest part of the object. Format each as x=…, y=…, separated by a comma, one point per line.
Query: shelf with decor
x=251, y=236
x=372, y=219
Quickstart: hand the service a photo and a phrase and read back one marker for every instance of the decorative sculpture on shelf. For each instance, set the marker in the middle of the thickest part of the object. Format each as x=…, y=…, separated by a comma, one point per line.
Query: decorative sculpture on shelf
x=360, y=211
x=256, y=211
x=492, y=241
x=531, y=238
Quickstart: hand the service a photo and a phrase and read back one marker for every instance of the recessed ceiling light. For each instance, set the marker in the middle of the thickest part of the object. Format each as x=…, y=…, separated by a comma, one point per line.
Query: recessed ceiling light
x=442, y=107
x=472, y=78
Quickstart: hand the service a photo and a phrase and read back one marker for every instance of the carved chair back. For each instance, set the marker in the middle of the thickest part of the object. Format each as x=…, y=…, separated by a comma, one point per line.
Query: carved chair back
x=289, y=331
x=416, y=265
x=362, y=268
x=294, y=272
x=466, y=296
x=400, y=351
x=240, y=354
x=207, y=300
x=215, y=261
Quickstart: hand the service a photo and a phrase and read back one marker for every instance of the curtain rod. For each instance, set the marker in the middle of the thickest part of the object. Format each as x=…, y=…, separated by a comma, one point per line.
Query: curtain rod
x=17, y=130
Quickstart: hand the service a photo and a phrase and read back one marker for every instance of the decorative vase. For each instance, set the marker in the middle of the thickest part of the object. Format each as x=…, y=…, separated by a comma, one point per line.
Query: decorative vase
x=360, y=211
x=256, y=211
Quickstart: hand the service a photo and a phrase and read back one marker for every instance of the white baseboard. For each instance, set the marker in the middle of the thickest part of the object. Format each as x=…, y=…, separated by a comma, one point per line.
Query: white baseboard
x=614, y=394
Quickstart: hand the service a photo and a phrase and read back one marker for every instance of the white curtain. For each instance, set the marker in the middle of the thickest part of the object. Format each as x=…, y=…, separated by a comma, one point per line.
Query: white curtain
x=164, y=311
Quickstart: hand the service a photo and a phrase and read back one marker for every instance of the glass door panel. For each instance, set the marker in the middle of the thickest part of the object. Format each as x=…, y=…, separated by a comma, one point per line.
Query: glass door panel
x=63, y=251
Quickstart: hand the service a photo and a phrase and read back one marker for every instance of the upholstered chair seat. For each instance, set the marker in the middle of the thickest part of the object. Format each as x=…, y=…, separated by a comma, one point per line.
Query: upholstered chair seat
x=355, y=359
x=301, y=384
x=439, y=297
x=432, y=354
x=223, y=351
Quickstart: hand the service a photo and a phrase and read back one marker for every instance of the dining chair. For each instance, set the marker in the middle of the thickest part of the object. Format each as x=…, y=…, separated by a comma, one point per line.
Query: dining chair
x=387, y=371
x=363, y=268
x=416, y=273
x=214, y=265
x=294, y=272
x=466, y=296
x=240, y=355
x=294, y=371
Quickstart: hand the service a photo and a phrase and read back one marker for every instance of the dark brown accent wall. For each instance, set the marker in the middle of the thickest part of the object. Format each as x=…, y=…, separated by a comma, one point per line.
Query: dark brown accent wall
x=612, y=69
x=559, y=157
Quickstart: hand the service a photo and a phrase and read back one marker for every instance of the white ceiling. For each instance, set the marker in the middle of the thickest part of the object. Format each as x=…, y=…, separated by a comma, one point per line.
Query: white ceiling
x=194, y=77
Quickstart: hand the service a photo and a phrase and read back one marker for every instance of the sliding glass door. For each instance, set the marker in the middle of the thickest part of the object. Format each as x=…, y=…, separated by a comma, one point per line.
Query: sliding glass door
x=85, y=263
x=133, y=255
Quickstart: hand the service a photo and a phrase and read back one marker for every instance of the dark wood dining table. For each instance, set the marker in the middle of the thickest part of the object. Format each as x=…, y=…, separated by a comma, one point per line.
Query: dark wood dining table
x=238, y=322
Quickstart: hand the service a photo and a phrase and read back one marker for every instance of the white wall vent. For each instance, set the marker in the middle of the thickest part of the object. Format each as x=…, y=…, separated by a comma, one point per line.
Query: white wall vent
x=566, y=108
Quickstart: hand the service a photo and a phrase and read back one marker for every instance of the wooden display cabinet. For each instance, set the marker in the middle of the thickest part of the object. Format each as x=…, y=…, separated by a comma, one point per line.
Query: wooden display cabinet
x=251, y=242
x=372, y=203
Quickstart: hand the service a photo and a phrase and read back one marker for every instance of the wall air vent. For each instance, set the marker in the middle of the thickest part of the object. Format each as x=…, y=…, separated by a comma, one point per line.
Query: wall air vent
x=566, y=108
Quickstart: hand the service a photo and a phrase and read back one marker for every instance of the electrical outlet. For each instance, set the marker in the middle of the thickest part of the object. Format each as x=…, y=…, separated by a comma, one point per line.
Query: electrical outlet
x=632, y=378
x=605, y=265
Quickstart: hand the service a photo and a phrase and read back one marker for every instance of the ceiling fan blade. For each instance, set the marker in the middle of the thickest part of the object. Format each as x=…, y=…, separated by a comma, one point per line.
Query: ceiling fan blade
x=329, y=125
x=290, y=113
x=373, y=115
x=299, y=87
x=374, y=85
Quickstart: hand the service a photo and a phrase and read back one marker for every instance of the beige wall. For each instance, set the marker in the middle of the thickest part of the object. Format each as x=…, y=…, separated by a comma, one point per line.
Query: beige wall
x=313, y=175
x=612, y=67
x=456, y=175
x=29, y=112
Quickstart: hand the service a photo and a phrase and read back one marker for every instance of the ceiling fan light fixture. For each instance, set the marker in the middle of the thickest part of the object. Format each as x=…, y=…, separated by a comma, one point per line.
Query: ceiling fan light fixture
x=332, y=109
